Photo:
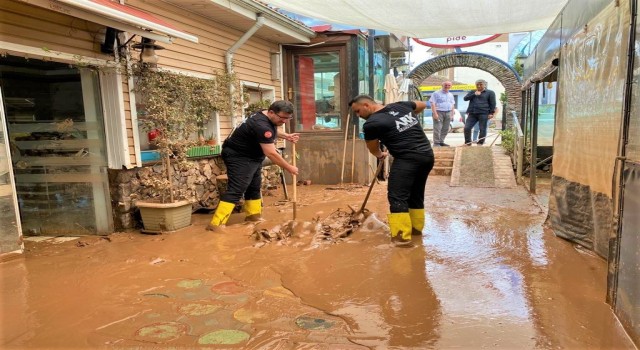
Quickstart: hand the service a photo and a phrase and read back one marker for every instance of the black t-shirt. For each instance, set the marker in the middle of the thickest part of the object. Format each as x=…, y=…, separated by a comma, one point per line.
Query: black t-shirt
x=398, y=129
x=247, y=137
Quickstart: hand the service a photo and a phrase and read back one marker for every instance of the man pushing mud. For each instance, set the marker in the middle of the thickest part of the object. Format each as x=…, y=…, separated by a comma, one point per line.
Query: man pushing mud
x=396, y=127
x=243, y=152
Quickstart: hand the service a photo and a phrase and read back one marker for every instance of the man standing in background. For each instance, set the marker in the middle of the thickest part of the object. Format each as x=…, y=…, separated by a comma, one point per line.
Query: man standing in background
x=482, y=107
x=442, y=104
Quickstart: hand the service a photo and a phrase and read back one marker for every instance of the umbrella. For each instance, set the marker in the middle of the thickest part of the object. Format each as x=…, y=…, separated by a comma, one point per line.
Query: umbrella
x=403, y=90
x=390, y=89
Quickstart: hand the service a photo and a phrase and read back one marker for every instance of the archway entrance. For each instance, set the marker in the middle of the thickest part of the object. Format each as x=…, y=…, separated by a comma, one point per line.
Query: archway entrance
x=500, y=69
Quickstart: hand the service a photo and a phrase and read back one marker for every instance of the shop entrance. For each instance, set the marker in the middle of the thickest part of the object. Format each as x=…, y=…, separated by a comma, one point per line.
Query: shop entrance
x=56, y=137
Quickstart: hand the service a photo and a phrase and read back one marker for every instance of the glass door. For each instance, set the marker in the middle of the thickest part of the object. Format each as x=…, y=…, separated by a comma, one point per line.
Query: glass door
x=10, y=231
x=316, y=91
x=55, y=129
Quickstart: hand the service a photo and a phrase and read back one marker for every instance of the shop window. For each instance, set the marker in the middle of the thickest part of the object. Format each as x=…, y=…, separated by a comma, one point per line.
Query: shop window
x=56, y=133
x=317, y=86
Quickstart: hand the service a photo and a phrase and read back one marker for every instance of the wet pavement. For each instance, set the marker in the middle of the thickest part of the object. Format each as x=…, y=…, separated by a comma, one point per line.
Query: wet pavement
x=486, y=274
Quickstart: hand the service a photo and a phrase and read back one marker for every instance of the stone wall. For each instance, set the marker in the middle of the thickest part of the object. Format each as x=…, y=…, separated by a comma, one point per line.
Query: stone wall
x=200, y=184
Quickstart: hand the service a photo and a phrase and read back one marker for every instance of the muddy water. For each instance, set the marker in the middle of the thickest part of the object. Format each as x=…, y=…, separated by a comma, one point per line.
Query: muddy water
x=485, y=274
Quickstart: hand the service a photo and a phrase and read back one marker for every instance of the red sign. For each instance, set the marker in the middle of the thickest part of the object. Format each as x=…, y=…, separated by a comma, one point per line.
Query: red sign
x=456, y=41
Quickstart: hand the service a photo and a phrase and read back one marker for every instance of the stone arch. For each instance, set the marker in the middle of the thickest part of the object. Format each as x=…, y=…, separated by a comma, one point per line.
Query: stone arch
x=500, y=69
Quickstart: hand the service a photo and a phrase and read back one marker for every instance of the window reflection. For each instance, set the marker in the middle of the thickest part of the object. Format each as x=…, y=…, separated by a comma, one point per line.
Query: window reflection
x=317, y=86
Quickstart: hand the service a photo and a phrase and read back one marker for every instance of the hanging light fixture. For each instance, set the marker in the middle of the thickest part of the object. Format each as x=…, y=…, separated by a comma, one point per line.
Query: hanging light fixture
x=148, y=49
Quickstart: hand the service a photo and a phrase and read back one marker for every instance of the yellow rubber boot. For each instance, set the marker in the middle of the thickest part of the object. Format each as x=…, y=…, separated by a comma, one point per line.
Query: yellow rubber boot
x=417, y=221
x=253, y=208
x=400, y=226
x=220, y=217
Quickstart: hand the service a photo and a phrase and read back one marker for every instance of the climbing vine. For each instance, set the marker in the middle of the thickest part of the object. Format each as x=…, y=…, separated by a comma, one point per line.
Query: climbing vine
x=175, y=107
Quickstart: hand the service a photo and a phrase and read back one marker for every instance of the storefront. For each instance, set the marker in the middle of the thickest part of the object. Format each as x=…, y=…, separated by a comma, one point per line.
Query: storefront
x=54, y=124
x=64, y=116
x=321, y=80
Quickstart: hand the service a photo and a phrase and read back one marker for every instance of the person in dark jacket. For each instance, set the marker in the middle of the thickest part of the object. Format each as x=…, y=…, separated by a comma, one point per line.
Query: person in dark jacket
x=243, y=152
x=396, y=126
x=482, y=107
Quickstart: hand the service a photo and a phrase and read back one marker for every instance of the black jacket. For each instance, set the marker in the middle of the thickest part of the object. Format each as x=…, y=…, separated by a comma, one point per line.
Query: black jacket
x=485, y=103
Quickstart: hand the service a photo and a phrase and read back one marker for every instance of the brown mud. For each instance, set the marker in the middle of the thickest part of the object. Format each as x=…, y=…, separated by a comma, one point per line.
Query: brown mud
x=485, y=274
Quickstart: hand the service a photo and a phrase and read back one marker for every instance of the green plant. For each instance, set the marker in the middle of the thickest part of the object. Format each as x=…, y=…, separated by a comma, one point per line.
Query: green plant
x=256, y=106
x=518, y=66
x=508, y=140
x=178, y=106
x=211, y=139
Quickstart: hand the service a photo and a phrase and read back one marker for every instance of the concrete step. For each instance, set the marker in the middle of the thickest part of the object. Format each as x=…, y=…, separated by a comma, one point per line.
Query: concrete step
x=444, y=162
x=444, y=150
x=441, y=171
x=444, y=158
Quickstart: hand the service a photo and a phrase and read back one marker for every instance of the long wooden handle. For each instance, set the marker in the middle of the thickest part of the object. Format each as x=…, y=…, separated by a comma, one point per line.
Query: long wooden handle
x=284, y=185
x=353, y=154
x=344, y=149
x=294, y=192
x=373, y=181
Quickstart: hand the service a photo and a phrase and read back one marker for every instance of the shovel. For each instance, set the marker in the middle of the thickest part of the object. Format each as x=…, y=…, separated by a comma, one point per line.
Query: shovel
x=373, y=181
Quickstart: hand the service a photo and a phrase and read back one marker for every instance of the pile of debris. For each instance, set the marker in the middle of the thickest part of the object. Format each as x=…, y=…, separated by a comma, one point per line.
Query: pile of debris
x=335, y=228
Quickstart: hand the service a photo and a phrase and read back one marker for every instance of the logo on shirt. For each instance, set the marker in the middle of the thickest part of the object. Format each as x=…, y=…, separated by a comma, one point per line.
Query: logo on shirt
x=405, y=122
x=268, y=134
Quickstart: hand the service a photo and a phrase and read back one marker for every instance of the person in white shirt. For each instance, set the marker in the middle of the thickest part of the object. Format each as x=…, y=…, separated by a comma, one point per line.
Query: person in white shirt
x=442, y=105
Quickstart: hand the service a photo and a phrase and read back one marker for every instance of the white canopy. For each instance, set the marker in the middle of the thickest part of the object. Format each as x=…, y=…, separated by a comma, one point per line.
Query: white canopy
x=431, y=18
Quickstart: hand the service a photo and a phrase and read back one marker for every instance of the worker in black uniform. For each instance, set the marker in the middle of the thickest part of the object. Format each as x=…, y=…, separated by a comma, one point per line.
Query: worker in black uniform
x=396, y=126
x=243, y=152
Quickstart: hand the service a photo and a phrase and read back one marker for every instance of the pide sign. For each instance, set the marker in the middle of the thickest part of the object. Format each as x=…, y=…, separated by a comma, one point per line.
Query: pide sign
x=456, y=41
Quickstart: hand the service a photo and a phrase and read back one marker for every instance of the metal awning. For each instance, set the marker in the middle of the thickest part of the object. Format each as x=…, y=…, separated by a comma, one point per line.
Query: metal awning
x=121, y=17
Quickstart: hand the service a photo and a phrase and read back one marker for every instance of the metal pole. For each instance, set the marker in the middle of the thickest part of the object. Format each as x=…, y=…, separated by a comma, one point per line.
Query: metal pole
x=371, y=48
x=534, y=140
x=618, y=191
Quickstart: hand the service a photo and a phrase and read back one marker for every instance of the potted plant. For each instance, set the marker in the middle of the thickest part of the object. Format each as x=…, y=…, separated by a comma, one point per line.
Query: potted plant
x=211, y=140
x=176, y=105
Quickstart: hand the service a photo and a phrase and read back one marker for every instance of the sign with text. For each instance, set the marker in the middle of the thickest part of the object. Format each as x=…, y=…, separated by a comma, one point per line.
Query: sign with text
x=456, y=41
x=460, y=87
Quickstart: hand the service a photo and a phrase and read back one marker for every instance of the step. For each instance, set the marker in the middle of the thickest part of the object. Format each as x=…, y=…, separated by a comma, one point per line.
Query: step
x=443, y=162
x=445, y=154
x=441, y=171
x=444, y=150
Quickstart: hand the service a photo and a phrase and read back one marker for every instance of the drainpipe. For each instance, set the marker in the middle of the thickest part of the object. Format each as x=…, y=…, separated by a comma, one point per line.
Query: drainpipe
x=229, y=60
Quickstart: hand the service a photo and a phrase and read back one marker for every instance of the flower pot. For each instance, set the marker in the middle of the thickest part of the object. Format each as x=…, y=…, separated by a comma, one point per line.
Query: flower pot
x=164, y=217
